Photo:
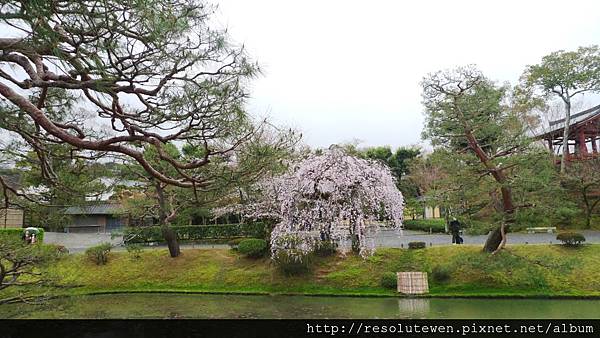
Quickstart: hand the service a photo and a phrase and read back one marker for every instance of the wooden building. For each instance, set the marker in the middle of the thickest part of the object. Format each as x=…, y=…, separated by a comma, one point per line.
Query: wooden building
x=11, y=218
x=100, y=218
x=427, y=210
x=584, y=132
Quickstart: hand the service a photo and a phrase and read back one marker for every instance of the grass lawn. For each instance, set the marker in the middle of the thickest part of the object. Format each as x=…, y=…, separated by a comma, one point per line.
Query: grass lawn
x=518, y=271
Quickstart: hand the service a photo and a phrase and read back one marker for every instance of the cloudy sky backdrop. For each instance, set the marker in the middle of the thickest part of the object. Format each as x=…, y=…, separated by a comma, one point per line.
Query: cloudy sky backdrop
x=345, y=70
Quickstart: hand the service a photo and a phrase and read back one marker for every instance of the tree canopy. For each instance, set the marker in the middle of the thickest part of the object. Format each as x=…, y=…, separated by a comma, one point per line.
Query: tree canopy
x=127, y=75
x=20, y=266
x=565, y=74
x=470, y=116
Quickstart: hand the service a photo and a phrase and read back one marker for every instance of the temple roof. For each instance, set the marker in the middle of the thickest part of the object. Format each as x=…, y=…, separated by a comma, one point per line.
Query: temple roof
x=557, y=126
x=97, y=209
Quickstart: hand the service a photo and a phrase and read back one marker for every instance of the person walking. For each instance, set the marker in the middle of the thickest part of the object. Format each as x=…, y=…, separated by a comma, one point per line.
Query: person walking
x=455, y=231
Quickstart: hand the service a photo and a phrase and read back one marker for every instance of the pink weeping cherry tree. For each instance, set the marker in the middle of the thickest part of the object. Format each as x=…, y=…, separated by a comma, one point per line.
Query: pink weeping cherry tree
x=330, y=196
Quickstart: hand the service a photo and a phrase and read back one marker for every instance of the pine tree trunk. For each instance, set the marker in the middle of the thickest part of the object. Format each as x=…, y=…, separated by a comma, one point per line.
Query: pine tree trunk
x=493, y=241
x=496, y=239
x=171, y=238
x=168, y=233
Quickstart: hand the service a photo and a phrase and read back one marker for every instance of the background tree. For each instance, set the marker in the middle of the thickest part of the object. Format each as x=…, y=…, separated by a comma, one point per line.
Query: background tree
x=264, y=153
x=41, y=177
x=465, y=114
x=77, y=181
x=428, y=177
x=583, y=179
x=565, y=75
x=398, y=162
x=383, y=154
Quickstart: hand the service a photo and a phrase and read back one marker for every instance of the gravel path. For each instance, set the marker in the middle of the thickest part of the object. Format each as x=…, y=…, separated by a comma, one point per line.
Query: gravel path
x=386, y=238
x=78, y=242
x=390, y=238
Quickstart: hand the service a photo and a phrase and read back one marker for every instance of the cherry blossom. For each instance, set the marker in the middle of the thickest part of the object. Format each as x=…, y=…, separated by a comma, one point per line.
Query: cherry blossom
x=329, y=196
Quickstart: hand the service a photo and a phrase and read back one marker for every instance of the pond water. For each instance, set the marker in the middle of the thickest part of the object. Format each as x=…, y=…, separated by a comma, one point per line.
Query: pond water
x=241, y=306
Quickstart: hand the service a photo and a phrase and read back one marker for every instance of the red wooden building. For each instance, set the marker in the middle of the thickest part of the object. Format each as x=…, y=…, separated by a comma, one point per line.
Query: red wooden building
x=584, y=132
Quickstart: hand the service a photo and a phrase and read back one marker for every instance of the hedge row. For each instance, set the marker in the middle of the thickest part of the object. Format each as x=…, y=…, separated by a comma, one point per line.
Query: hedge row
x=436, y=225
x=197, y=232
x=17, y=234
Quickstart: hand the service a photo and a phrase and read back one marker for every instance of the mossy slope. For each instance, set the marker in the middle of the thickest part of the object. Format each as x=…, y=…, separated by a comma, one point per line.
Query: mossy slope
x=528, y=271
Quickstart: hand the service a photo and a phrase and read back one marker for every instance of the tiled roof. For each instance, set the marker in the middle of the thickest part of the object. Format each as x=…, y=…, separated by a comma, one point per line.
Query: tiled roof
x=96, y=209
x=558, y=125
x=13, y=179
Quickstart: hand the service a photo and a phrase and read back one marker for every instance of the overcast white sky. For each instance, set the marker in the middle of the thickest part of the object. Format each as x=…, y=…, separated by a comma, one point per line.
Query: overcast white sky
x=344, y=70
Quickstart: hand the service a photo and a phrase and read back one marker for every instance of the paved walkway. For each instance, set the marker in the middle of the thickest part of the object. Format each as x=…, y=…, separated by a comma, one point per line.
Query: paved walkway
x=391, y=238
x=78, y=242
x=386, y=238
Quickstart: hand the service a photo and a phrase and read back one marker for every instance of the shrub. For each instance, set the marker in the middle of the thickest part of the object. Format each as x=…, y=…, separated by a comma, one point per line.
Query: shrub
x=197, y=232
x=59, y=249
x=440, y=273
x=389, y=280
x=326, y=248
x=253, y=247
x=291, y=255
x=99, y=253
x=292, y=261
x=13, y=234
x=18, y=233
x=436, y=225
x=570, y=238
x=234, y=243
x=416, y=245
x=134, y=250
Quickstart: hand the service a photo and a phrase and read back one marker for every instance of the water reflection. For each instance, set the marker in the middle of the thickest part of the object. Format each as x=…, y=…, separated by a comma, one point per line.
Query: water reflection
x=230, y=306
x=413, y=307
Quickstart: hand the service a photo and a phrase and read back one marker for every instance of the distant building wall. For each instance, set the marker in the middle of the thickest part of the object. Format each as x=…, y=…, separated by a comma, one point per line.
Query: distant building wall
x=432, y=212
x=11, y=218
x=88, y=223
x=85, y=220
x=96, y=223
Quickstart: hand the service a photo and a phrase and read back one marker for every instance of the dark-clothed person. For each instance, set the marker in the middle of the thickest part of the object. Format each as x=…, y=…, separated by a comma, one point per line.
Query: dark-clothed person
x=455, y=231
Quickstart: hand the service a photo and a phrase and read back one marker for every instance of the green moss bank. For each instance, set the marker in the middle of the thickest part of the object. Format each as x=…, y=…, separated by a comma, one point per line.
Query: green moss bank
x=518, y=271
